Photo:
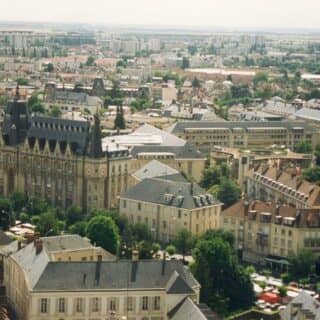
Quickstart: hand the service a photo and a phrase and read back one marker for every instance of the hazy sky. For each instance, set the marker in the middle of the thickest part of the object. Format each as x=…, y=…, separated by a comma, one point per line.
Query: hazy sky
x=215, y=13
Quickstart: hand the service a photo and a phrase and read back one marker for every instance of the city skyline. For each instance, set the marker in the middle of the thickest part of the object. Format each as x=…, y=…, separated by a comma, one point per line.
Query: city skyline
x=247, y=14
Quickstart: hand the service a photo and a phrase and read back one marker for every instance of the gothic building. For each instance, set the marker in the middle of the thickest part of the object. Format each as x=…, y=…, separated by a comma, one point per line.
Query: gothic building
x=59, y=160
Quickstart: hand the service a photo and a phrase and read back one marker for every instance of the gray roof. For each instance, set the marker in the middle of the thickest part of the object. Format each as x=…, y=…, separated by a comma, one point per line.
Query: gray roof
x=181, y=126
x=170, y=193
x=154, y=169
x=107, y=275
x=186, y=309
x=65, y=242
x=308, y=114
x=306, y=304
x=181, y=152
x=61, y=130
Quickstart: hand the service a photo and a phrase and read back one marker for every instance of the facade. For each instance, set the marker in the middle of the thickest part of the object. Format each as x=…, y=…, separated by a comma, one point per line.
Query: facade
x=268, y=233
x=269, y=183
x=167, y=204
x=40, y=288
x=59, y=160
x=245, y=134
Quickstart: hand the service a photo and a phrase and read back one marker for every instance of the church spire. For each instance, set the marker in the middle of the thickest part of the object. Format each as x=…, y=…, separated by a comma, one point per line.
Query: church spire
x=95, y=146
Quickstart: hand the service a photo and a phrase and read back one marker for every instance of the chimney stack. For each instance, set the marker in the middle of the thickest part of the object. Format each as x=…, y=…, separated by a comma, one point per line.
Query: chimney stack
x=135, y=255
x=164, y=263
x=39, y=245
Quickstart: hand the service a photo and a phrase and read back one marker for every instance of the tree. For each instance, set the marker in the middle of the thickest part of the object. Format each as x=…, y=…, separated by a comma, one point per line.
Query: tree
x=36, y=206
x=196, y=83
x=55, y=112
x=185, y=63
x=184, y=242
x=90, y=61
x=18, y=201
x=50, y=67
x=211, y=176
x=6, y=214
x=74, y=214
x=317, y=154
x=303, y=147
x=79, y=228
x=22, y=82
x=103, y=232
x=260, y=77
x=119, y=121
x=312, y=174
x=171, y=249
x=220, y=234
x=108, y=101
x=223, y=281
x=229, y=192
x=48, y=224
x=302, y=264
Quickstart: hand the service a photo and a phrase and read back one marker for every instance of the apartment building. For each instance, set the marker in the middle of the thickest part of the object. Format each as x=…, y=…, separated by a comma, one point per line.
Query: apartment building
x=169, y=203
x=269, y=183
x=268, y=233
x=41, y=288
x=245, y=134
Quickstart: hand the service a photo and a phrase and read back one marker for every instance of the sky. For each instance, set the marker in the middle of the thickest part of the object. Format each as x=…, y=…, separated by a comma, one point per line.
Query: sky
x=268, y=14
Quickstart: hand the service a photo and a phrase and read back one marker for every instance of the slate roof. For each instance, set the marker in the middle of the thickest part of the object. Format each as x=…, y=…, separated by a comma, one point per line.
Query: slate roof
x=307, y=305
x=154, y=169
x=60, y=130
x=65, y=242
x=181, y=152
x=308, y=114
x=177, y=285
x=182, y=125
x=112, y=275
x=154, y=190
x=186, y=309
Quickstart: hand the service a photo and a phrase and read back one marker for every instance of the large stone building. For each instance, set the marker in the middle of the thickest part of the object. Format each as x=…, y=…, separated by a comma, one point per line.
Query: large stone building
x=245, y=134
x=169, y=203
x=59, y=160
x=39, y=287
x=269, y=183
x=268, y=233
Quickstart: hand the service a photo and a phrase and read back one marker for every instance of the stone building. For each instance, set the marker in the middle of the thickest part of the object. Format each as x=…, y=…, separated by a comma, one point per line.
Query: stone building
x=39, y=287
x=60, y=160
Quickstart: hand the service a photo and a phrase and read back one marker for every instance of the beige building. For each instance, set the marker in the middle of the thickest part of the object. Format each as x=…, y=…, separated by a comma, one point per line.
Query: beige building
x=269, y=183
x=267, y=233
x=245, y=134
x=39, y=287
x=169, y=203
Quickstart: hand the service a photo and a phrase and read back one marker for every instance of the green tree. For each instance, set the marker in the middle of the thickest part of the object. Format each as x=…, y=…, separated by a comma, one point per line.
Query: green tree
x=303, y=147
x=18, y=201
x=103, y=232
x=74, y=214
x=302, y=264
x=119, y=121
x=229, y=192
x=185, y=63
x=79, y=228
x=223, y=281
x=184, y=242
x=196, y=83
x=48, y=224
x=211, y=176
x=55, y=112
x=50, y=67
x=225, y=235
x=7, y=217
x=312, y=174
x=22, y=81
x=90, y=61
x=108, y=101
x=171, y=250
x=260, y=77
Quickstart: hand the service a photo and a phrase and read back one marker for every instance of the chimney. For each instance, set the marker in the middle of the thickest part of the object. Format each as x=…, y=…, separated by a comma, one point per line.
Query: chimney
x=84, y=278
x=98, y=269
x=38, y=245
x=135, y=255
x=164, y=263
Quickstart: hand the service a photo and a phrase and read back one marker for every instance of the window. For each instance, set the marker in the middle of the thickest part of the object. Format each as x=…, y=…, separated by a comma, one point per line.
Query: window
x=95, y=305
x=61, y=305
x=130, y=304
x=79, y=305
x=156, y=304
x=44, y=305
x=179, y=214
x=139, y=206
x=145, y=303
x=164, y=224
x=112, y=304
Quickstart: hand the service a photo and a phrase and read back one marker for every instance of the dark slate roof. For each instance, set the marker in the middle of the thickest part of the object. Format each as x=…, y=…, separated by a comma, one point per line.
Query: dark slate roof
x=115, y=275
x=61, y=130
x=178, y=285
x=182, y=125
x=181, y=152
x=157, y=190
x=65, y=242
x=186, y=309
